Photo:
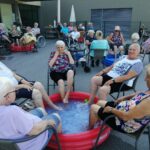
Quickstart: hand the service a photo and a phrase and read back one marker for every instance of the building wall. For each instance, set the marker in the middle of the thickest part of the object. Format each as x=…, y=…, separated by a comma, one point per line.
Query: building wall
x=140, y=9
x=48, y=12
x=7, y=17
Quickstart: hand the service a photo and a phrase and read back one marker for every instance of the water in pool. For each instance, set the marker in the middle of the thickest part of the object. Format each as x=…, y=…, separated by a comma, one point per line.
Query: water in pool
x=75, y=116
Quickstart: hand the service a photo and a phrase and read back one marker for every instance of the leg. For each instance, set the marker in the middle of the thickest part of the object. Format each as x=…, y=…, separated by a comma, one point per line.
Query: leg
x=121, y=50
x=44, y=94
x=93, y=117
x=103, y=92
x=92, y=61
x=40, y=112
x=37, y=98
x=115, y=51
x=102, y=103
x=95, y=82
x=61, y=88
x=6, y=38
x=70, y=75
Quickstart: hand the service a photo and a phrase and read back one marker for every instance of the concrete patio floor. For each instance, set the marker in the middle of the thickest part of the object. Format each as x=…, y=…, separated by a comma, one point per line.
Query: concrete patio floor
x=34, y=67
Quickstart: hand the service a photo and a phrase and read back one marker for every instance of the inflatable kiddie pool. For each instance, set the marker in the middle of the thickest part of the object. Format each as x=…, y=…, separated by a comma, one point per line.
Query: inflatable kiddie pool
x=78, y=141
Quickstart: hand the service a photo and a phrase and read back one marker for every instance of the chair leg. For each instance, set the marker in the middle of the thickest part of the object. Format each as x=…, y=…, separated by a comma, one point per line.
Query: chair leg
x=136, y=143
x=48, y=83
x=54, y=85
x=149, y=135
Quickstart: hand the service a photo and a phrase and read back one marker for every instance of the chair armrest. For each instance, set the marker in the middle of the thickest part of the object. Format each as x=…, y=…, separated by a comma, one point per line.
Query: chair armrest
x=27, y=138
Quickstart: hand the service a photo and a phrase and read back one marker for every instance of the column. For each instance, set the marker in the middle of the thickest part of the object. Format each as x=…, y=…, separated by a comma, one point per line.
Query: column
x=58, y=11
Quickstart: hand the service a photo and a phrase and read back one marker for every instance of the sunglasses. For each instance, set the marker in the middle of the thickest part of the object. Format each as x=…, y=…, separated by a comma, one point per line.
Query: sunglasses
x=10, y=93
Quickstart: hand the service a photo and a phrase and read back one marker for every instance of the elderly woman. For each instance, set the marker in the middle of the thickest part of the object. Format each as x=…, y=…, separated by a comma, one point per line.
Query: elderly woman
x=90, y=37
x=100, y=44
x=131, y=112
x=61, y=64
x=116, y=40
x=27, y=89
x=110, y=79
x=134, y=39
x=21, y=123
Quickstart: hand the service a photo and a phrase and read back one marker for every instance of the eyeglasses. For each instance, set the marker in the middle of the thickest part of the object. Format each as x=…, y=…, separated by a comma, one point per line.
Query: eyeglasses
x=117, y=31
x=10, y=93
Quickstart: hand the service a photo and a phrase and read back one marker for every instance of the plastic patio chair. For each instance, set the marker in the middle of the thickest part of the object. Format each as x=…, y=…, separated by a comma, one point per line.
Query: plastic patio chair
x=11, y=144
x=121, y=90
x=135, y=135
x=98, y=53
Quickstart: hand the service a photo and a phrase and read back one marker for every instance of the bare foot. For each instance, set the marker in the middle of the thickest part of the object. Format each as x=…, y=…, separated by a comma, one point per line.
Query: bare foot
x=65, y=100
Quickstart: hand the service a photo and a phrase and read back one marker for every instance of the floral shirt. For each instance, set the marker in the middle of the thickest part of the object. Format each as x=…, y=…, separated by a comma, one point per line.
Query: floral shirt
x=135, y=124
x=117, y=39
x=61, y=64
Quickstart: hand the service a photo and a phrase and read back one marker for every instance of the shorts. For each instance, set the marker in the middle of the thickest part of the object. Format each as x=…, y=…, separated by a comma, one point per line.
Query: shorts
x=114, y=86
x=24, y=93
x=112, y=46
x=56, y=76
x=112, y=121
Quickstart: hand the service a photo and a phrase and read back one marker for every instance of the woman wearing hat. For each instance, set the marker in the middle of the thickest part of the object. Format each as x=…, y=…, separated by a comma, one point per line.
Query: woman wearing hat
x=116, y=40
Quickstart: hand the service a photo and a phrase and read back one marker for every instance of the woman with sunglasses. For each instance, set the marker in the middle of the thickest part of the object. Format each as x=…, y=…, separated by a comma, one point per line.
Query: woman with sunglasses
x=116, y=40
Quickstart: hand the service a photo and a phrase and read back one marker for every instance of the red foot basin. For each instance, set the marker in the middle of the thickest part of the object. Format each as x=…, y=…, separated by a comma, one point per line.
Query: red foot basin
x=79, y=141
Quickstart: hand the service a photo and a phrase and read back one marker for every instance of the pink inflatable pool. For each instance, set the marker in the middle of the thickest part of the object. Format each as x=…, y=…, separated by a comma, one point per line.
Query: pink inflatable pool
x=79, y=141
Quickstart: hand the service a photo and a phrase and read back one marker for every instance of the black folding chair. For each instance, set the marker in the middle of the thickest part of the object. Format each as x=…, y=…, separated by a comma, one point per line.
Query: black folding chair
x=11, y=144
x=144, y=55
x=122, y=90
x=135, y=135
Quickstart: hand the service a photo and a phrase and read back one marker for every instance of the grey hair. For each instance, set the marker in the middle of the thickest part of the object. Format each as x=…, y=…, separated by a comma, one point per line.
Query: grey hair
x=60, y=43
x=5, y=87
x=90, y=31
x=148, y=69
x=135, y=37
x=137, y=46
x=99, y=34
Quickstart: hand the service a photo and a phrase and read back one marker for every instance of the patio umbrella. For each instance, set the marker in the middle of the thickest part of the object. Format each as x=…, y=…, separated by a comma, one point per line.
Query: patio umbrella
x=72, y=15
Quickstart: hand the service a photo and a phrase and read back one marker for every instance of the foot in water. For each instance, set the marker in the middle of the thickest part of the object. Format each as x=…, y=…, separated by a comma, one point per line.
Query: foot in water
x=65, y=100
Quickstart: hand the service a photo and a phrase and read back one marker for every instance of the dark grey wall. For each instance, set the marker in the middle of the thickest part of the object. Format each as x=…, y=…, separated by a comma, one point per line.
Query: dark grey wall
x=7, y=1
x=48, y=12
x=140, y=9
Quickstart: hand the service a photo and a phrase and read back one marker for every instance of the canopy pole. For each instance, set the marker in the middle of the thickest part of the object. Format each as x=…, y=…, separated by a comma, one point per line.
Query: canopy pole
x=58, y=11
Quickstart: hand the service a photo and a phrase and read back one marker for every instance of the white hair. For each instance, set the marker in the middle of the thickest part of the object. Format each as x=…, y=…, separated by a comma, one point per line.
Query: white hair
x=60, y=43
x=137, y=46
x=90, y=31
x=135, y=37
x=5, y=87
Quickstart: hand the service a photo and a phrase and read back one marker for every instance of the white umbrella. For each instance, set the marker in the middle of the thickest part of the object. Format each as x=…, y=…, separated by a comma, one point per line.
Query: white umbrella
x=72, y=15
